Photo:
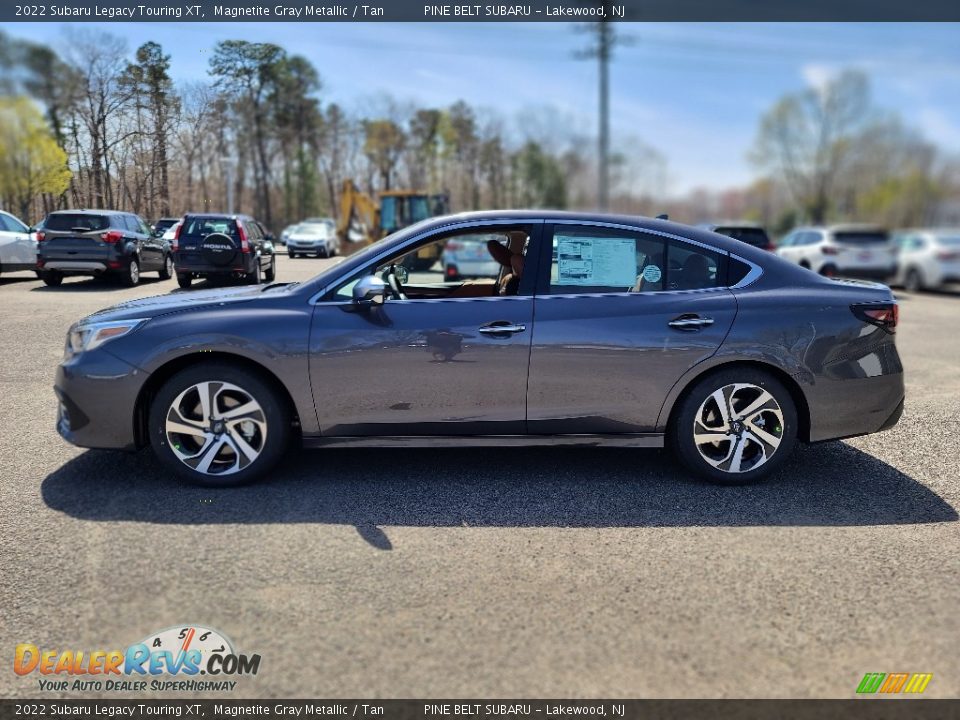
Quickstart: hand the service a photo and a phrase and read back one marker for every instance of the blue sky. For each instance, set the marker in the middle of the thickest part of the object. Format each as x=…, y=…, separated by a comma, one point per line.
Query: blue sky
x=692, y=91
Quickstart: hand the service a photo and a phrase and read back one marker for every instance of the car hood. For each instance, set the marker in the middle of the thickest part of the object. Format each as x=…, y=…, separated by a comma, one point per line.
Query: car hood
x=175, y=302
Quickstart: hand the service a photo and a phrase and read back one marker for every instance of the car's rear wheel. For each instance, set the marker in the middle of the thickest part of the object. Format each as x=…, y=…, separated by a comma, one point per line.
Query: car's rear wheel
x=132, y=275
x=255, y=277
x=270, y=274
x=51, y=277
x=913, y=282
x=184, y=280
x=218, y=425
x=166, y=272
x=829, y=271
x=734, y=426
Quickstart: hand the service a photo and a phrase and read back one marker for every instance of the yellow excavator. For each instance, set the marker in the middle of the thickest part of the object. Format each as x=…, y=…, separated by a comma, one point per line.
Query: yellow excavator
x=364, y=220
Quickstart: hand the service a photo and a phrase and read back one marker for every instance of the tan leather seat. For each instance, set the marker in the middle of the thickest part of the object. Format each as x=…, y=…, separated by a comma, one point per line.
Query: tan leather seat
x=512, y=263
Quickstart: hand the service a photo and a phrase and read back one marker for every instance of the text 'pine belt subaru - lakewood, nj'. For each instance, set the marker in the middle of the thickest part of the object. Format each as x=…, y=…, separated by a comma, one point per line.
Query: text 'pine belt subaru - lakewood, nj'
x=597, y=330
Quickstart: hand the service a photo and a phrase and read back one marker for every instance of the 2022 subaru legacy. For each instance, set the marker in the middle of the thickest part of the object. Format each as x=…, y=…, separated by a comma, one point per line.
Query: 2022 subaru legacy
x=633, y=332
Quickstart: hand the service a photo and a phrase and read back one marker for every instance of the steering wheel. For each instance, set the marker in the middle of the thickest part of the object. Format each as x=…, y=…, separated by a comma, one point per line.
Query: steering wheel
x=393, y=282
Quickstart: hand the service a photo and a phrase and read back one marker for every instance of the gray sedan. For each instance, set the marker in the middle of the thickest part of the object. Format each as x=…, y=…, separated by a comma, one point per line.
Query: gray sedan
x=598, y=330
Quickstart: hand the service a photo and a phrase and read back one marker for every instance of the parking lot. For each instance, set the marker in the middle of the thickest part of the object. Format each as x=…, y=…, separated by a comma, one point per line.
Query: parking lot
x=492, y=572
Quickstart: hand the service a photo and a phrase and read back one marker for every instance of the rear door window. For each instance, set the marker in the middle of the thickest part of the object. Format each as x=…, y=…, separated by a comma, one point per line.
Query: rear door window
x=81, y=222
x=600, y=260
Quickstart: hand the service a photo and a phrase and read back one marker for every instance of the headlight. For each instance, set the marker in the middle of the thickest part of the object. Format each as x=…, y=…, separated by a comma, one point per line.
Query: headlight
x=88, y=335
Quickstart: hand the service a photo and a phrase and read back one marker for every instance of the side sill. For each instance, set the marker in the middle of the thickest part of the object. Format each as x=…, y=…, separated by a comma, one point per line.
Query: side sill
x=638, y=440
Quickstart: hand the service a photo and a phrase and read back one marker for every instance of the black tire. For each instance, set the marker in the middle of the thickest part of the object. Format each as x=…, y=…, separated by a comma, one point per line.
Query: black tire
x=53, y=278
x=913, y=282
x=255, y=277
x=291, y=254
x=274, y=413
x=184, y=280
x=271, y=274
x=166, y=271
x=131, y=276
x=804, y=264
x=321, y=253
x=680, y=433
x=829, y=271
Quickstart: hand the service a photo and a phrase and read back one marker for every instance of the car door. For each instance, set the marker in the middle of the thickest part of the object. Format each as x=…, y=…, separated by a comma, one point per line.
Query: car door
x=451, y=359
x=17, y=249
x=150, y=258
x=621, y=315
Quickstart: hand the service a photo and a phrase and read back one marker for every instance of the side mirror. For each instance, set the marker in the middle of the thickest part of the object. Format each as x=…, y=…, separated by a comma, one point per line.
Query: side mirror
x=369, y=291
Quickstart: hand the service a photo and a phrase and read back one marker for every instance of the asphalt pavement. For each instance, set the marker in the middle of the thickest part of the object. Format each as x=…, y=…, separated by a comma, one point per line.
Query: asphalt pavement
x=491, y=572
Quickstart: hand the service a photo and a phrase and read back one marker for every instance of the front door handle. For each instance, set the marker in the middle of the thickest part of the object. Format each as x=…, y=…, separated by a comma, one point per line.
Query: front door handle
x=690, y=322
x=502, y=327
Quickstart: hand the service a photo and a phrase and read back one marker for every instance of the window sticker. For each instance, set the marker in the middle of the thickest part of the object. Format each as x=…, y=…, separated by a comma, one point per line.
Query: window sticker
x=602, y=261
x=652, y=274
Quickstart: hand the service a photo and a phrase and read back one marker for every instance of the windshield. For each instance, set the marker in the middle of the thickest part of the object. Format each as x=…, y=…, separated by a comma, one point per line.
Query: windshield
x=76, y=221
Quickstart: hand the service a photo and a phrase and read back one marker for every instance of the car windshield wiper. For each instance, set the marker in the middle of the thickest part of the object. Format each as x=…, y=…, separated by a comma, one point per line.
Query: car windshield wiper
x=274, y=286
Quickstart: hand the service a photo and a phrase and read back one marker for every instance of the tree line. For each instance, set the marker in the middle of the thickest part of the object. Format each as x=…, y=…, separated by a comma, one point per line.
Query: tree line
x=96, y=125
x=122, y=134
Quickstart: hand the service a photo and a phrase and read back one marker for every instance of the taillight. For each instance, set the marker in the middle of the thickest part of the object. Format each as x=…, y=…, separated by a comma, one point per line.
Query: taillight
x=41, y=236
x=946, y=255
x=112, y=237
x=175, y=245
x=828, y=250
x=770, y=246
x=244, y=245
x=883, y=315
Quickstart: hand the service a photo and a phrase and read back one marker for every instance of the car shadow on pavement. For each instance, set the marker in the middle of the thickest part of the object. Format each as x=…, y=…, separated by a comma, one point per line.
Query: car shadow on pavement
x=92, y=284
x=832, y=484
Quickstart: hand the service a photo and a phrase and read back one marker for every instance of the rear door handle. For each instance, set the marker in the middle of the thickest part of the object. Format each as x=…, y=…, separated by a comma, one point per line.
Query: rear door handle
x=690, y=322
x=502, y=327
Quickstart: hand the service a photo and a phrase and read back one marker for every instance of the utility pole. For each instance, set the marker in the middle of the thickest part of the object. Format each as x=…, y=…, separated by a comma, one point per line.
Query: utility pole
x=228, y=165
x=605, y=39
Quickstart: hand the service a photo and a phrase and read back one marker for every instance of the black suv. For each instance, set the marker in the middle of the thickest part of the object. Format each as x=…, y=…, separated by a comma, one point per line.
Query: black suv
x=164, y=224
x=223, y=246
x=99, y=243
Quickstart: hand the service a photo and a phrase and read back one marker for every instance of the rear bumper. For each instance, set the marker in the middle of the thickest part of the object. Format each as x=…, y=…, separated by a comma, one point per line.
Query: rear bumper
x=848, y=407
x=193, y=266
x=97, y=393
x=881, y=274
x=75, y=266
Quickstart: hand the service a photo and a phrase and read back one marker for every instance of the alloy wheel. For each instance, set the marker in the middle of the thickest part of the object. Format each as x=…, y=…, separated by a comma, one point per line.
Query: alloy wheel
x=738, y=428
x=216, y=428
x=134, y=272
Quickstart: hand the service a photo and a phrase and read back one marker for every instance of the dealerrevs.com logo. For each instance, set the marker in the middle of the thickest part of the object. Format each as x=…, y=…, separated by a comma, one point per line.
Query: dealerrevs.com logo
x=184, y=658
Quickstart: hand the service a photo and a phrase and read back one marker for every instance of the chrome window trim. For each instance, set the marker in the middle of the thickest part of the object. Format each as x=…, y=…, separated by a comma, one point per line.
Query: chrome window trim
x=315, y=298
x=752, y=275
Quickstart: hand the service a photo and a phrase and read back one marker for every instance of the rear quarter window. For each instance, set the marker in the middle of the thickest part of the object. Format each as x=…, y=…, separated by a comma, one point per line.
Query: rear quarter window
x=59, y=222
x=861, y=238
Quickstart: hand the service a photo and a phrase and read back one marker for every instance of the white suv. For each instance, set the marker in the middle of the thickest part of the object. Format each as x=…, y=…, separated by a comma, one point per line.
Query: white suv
x=18, y=246
x=865, y=251
x=928, y=259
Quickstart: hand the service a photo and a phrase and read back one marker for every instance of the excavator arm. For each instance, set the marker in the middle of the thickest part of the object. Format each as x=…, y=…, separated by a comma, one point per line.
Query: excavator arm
x=359, y=221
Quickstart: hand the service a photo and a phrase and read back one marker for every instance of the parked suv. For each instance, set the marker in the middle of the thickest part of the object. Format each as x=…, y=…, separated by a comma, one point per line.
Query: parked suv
x=99, y=243
x=225, y=246
x=864, y=251
x=750, y=233
x=928, y=258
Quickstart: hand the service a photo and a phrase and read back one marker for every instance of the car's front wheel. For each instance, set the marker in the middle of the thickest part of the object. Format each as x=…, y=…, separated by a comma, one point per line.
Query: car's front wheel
x=218, y=425
x=735, y=426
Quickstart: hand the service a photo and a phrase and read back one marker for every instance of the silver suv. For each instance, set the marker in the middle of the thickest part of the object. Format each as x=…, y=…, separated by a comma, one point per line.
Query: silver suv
x=864, y=251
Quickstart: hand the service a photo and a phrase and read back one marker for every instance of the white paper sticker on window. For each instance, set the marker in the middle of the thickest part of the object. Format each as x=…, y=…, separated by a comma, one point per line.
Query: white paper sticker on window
x=602, y=261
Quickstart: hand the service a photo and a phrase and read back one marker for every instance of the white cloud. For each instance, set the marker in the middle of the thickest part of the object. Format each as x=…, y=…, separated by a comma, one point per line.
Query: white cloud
x=817, y=75
x=937, y=126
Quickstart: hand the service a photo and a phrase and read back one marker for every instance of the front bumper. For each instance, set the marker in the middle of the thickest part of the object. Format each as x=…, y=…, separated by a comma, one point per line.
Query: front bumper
x=97, y=394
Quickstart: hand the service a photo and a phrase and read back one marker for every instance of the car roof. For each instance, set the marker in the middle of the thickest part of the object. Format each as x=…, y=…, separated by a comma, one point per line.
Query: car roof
x=732, y=224
x=90, y=211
